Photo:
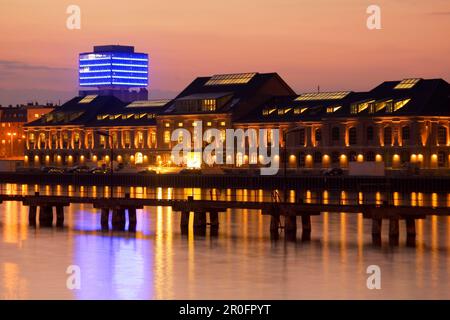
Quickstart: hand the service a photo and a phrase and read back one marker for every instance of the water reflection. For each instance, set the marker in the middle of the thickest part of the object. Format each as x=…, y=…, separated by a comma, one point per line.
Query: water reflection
x=158, y=262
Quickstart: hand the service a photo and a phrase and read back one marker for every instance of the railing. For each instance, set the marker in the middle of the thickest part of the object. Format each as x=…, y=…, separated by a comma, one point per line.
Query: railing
x=231, y=195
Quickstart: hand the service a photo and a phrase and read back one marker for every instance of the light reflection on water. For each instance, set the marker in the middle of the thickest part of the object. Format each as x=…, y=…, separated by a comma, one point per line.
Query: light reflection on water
x=157, y=262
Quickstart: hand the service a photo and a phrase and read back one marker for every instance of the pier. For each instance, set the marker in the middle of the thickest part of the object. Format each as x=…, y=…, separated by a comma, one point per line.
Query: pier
x=119, y=211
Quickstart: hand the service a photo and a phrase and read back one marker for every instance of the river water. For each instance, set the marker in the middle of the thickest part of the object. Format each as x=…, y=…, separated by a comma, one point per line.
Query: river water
x=242, y=262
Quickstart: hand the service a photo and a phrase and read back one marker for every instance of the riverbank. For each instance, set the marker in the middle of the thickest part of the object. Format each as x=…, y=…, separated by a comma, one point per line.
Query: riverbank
x=311, y=182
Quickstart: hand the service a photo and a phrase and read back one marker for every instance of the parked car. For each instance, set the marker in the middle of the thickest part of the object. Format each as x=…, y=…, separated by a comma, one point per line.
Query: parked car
x=78, y=169
x=56, y=171
x=190, y=171
x=333, y=172
x=47, y=169
x=147, y=171
x=99, y=170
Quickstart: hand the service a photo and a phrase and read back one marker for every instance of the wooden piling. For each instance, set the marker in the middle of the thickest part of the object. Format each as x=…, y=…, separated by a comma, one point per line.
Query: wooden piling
x=394, y=231
x=214, y=219
x=104, y=220
x=410, y=232
x=290, y=227
x=200, y=223
x=199, y=219
x=59, y=216
x=32, y=210
x=184, y=222
x=376, y=227
x=46, y=216
x=274, y=223
x=132, y=220
x=377, y=224
x=118, y=219
x=306, y=227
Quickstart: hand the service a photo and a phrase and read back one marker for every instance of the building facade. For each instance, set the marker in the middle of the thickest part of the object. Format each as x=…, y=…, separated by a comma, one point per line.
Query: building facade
x=12, y=120
x=403, y=124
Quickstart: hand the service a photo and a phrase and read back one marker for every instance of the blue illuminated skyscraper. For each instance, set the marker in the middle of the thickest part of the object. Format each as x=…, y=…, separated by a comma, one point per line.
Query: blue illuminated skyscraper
x=114, y=70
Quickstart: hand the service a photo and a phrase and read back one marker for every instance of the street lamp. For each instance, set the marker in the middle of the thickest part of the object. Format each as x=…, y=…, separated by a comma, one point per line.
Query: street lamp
x=111, y=157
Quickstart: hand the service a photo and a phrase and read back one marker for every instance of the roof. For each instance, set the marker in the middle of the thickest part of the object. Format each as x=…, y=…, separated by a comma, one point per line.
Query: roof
x=212, y=95
x=79, y=111
x=408, y=97
x=243, y=89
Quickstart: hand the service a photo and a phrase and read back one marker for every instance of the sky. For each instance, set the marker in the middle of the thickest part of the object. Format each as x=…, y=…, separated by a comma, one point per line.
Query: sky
x=310, y=43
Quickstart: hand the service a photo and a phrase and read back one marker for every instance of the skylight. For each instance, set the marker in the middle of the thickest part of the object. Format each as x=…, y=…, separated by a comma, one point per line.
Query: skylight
x=148, y=103
x=322, y=96
x=88, y=98
x=226, y=79
x=406, y=83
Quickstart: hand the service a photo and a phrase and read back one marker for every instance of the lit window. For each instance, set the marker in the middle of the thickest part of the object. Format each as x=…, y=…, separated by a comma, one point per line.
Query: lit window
x=299, y=110
x=400, y=104
x=222, y=123
x=323, y=96
x=442, y=135
x=88, y=99
x=167, y=124
x=180, y=124
x=167, y=136
x=209, y=105
x=268, y=111
x=377, y=106
x=209, y=123
x=140, y=137
x=333, y=109
x=406, y=84
x=227, y=79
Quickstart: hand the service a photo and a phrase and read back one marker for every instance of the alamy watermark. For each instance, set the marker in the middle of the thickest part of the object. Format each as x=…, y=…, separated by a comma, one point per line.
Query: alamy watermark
x=374, y=20
x=227, y=147
x=374, y=280
x=73, y=21
x=73, y=281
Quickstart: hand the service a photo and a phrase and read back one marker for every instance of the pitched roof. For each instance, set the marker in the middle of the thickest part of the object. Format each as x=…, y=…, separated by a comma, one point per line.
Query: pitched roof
x=409, y=97
x=79, y=111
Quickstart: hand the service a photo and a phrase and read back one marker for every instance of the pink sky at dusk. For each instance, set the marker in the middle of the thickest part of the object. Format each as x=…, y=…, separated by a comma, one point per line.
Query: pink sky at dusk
x=308, y=42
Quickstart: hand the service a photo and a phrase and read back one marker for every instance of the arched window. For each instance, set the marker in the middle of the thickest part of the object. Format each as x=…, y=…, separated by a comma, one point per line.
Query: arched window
x=138, y=158
x=352, y=136
x=335, y=157
x=369, y=133
x=442, y=136
x=335, y=134
x=387, y=136
x=317, y=157
x=370, y=156
x=441, y=159
x=318, y=135
x=405, y=133
x=301, y=159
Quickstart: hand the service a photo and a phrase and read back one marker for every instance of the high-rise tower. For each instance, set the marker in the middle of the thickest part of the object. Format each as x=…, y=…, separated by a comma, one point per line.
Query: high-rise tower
x=114, y=70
